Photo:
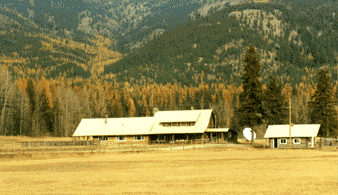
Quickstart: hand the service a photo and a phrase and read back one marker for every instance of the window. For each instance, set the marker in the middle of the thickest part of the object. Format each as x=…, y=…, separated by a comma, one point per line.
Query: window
x=103, y=138
x=296, y=141
x=121, y=138
x=165, y=124
x=190, y=123
x=283, y=141
x=138, y=137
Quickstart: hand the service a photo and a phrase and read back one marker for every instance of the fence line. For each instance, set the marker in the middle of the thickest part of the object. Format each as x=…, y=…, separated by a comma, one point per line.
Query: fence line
x=119, y=146
x=100, y=146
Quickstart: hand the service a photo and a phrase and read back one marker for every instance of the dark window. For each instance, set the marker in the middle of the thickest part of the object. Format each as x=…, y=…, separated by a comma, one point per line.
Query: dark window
x=139, y=137
x=296, y=141
x=121, y=138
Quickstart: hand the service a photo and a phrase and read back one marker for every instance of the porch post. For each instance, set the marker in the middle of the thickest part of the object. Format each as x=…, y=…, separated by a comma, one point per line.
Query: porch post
x=211, y=137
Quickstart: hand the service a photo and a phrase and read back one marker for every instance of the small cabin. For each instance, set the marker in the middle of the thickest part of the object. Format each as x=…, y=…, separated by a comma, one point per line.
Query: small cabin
x=302, y=136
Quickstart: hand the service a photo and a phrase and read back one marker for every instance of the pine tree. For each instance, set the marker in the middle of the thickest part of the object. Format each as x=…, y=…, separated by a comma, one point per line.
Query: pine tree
x=251, y=109
x=274, y=103
x=46, y=105
x=323, y=106
x=32, y=101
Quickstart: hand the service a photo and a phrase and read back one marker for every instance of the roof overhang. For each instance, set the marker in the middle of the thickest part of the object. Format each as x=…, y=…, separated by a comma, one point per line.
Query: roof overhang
x=217, y=130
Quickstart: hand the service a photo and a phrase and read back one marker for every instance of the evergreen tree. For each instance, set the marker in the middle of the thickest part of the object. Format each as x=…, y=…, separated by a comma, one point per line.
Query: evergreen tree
x=251, y=109
x=31, y=94
x=32, y=102
x=323, y=106
x=234, y=124
x=274, y=103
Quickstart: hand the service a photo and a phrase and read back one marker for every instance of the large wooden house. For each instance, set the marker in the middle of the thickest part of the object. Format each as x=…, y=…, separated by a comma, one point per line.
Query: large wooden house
x=302, y=136
x=164, y=126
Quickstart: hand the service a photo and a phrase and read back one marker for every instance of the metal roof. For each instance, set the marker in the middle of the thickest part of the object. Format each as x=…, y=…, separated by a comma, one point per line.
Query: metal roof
x=305, y=130
x=177, y=116
x=146, y=125
x=114, y=126
x=201, y=122
x=217, y=130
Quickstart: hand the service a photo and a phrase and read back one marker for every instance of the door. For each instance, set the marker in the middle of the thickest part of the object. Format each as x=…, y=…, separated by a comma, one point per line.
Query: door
x=275, y=142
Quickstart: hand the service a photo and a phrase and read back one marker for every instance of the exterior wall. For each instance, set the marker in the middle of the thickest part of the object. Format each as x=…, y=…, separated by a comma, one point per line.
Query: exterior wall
x=83, y=138
x=168, y=138
x=231, y=136
x=305, y=143
x=228, y=137
x=129, y=139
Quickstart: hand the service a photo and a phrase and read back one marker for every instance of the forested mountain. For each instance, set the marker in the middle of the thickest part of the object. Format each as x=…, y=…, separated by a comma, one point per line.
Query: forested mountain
x=294, y=40
x=130, y=22
x=28, y=50
x=61, y=61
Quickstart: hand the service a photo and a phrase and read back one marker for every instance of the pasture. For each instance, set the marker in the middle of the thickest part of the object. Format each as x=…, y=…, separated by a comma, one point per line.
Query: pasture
x=199, y=171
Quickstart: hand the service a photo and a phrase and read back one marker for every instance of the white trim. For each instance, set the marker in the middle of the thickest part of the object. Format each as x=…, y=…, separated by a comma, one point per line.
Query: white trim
x=300, y=140
x=118, y=138
x=142, y=138
x=286, y=141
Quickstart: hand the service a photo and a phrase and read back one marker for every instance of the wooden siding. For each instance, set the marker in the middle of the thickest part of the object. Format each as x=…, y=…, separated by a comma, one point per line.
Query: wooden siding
x=305, y=143
x=129, y=138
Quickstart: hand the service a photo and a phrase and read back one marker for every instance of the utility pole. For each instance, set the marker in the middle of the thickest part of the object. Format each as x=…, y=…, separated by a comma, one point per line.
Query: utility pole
x=290, y=124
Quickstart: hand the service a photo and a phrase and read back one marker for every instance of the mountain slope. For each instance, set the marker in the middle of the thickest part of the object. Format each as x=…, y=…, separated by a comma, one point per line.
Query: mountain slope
x=27, y=50
x=215, y=45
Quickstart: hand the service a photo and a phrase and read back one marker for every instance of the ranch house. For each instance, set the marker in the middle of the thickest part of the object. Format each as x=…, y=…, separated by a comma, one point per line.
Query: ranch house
x=164, y=126
x=302, y=136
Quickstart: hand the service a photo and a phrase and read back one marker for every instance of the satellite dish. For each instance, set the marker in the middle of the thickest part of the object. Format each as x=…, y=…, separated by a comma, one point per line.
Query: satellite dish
x=247, y=133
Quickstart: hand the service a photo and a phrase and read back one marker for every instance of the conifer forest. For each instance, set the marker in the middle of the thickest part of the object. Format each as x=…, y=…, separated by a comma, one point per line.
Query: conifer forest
x=87, y=59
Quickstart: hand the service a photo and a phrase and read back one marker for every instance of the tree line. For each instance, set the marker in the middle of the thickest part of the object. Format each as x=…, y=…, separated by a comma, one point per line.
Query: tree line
x=41, y=107
x=268, y=106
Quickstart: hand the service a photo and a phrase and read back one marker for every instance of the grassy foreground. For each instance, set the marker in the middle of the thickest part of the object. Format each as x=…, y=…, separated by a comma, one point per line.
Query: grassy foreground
x=204, y=171
x=11, y=139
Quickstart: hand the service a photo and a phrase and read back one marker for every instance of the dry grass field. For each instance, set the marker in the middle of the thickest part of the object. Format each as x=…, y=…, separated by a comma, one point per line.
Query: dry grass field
x=200, y=171
x=11, y=139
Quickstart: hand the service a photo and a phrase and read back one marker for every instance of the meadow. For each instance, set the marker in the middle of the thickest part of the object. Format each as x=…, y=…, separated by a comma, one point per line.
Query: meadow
x=199, y=171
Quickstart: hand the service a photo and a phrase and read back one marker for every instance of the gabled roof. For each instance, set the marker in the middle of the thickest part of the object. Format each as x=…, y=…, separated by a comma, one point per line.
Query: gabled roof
x=115, y=126
x=146, y=125
x=306, y=130
x=200, y=117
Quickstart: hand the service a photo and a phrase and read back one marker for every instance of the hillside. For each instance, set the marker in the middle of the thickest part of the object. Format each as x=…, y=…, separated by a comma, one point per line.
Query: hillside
x=29, y=51
x=131, y=23
x=294, y=39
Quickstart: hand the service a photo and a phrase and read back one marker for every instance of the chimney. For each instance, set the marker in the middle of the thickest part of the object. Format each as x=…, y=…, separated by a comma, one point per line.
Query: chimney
x=155, y=109
x=106, y=121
